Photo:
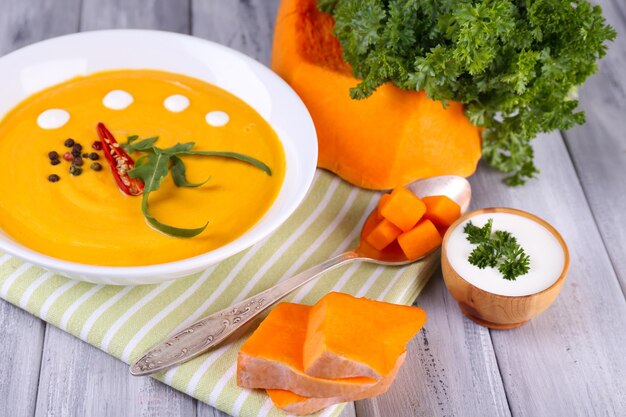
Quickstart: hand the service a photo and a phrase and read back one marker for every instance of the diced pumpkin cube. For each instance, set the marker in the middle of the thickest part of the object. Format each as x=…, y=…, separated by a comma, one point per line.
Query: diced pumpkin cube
x=383, y=234
x=441, y=210
x=420, y=240
x=403, y=208
x=383, y=199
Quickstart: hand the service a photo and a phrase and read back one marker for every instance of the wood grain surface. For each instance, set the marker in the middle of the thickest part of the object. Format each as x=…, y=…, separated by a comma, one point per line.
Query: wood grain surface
x=567, y=362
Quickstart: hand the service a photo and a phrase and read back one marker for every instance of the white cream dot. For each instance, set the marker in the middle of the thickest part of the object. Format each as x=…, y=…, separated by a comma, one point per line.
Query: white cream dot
x=217, y=118
x=53, y=119
x=176, y=103
x=117, y=100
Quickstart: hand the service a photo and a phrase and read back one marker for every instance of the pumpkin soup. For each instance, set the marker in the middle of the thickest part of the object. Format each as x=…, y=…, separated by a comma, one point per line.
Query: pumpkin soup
x=61, y=198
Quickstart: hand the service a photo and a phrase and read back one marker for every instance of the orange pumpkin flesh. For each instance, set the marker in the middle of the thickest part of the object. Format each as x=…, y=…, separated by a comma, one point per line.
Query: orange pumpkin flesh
x=383, y=234
x=389, y=139
x=403, y=208
x=441, y=210
x=351, y=337
x=420, y=240
x=272, y=358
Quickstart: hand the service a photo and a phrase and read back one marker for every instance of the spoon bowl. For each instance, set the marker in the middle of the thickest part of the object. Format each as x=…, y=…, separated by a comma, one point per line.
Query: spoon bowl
x=454, y=187
x=210, y=331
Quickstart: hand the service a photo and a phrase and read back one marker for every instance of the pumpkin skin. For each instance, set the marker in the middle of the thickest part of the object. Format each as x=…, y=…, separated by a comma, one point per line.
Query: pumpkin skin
x=388, y=140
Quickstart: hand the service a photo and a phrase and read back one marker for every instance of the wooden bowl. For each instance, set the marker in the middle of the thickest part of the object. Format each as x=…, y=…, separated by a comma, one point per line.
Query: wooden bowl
x=493, y=310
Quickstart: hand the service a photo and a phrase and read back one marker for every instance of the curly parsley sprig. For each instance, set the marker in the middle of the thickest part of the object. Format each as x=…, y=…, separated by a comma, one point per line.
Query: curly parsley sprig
x=497, y=249
x=515, y=64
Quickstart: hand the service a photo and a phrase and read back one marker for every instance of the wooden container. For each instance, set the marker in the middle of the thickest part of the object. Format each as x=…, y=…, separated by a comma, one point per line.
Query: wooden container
x=493, y=310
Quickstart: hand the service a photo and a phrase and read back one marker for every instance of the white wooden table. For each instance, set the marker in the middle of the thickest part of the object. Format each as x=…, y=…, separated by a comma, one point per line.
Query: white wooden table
x=571, y=361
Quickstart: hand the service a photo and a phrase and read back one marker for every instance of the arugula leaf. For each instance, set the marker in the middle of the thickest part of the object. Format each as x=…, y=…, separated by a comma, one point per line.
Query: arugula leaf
x=165, y=228
x=179, y=148
x=153, y=171
x=498, y=249
x=179, y=173
x=234, y=155
x=512, y=63
x=143, y=145
x=153, y=167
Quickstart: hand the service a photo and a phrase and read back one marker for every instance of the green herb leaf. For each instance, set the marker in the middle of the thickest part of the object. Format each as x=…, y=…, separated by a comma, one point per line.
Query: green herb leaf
x=234, y=155
x=154, y=166
x=179, y=148
x=143, y=145
x=179, y=173
x=165, y=228
x=512, y=63
x=498, y=249
x=153, y=171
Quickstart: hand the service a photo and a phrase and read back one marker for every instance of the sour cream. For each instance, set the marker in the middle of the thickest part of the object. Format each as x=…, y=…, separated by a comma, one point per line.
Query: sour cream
x=117, y=100
x=176, y=103
x=547, y=258
x=53, y=119
x=217, y=118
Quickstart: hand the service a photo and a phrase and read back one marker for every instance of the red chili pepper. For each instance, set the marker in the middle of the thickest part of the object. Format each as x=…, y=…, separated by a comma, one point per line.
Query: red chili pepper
x=120, y=163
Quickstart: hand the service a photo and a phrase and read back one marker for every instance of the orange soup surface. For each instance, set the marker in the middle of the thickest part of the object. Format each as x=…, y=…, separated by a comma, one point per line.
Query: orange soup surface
x=86, y=218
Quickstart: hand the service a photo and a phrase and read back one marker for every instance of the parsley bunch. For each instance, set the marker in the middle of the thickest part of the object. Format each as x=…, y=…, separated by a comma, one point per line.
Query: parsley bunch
x=496, y=249
x=514, y=64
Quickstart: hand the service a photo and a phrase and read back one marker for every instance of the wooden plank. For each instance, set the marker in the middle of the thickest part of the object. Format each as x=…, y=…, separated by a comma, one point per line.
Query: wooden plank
x=167, y=15
x=451, y=368
x=568, y=361
x=76, y=378
x=25, y=22
x=22, y=23
x=598, y=147
x=80, y=380
x=20, y=358
x=244, y=25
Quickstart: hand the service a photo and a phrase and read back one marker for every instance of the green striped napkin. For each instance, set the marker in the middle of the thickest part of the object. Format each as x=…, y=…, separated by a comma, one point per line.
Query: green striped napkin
x=125, y=321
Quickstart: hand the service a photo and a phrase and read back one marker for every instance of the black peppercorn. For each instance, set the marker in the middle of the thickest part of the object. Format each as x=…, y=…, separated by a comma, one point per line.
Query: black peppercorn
x=53, y=178
x=94, y=156
x=77, y=147
x=55, y=161
x=78, y=161
x=76, y=170
x=76, y=154
x=96, y=166
x=69, y=142
x=85, y=155
x=53, y=155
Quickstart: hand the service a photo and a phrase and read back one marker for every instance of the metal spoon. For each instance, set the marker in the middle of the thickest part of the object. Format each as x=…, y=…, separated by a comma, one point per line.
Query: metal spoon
x=212, y=330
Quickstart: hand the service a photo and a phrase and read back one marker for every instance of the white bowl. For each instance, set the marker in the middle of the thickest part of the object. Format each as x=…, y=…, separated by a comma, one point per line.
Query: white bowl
x=50, y=62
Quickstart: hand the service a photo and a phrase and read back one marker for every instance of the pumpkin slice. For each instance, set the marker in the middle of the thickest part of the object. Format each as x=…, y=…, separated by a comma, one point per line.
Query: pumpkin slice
x=272, y=358
x=403, y=208
x=300, y=405
x=441, y=210
x=422, y=239
x=352, y=337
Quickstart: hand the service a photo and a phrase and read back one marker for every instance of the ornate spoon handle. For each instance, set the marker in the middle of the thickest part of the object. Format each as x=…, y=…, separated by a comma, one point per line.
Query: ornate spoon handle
x=212, y=330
